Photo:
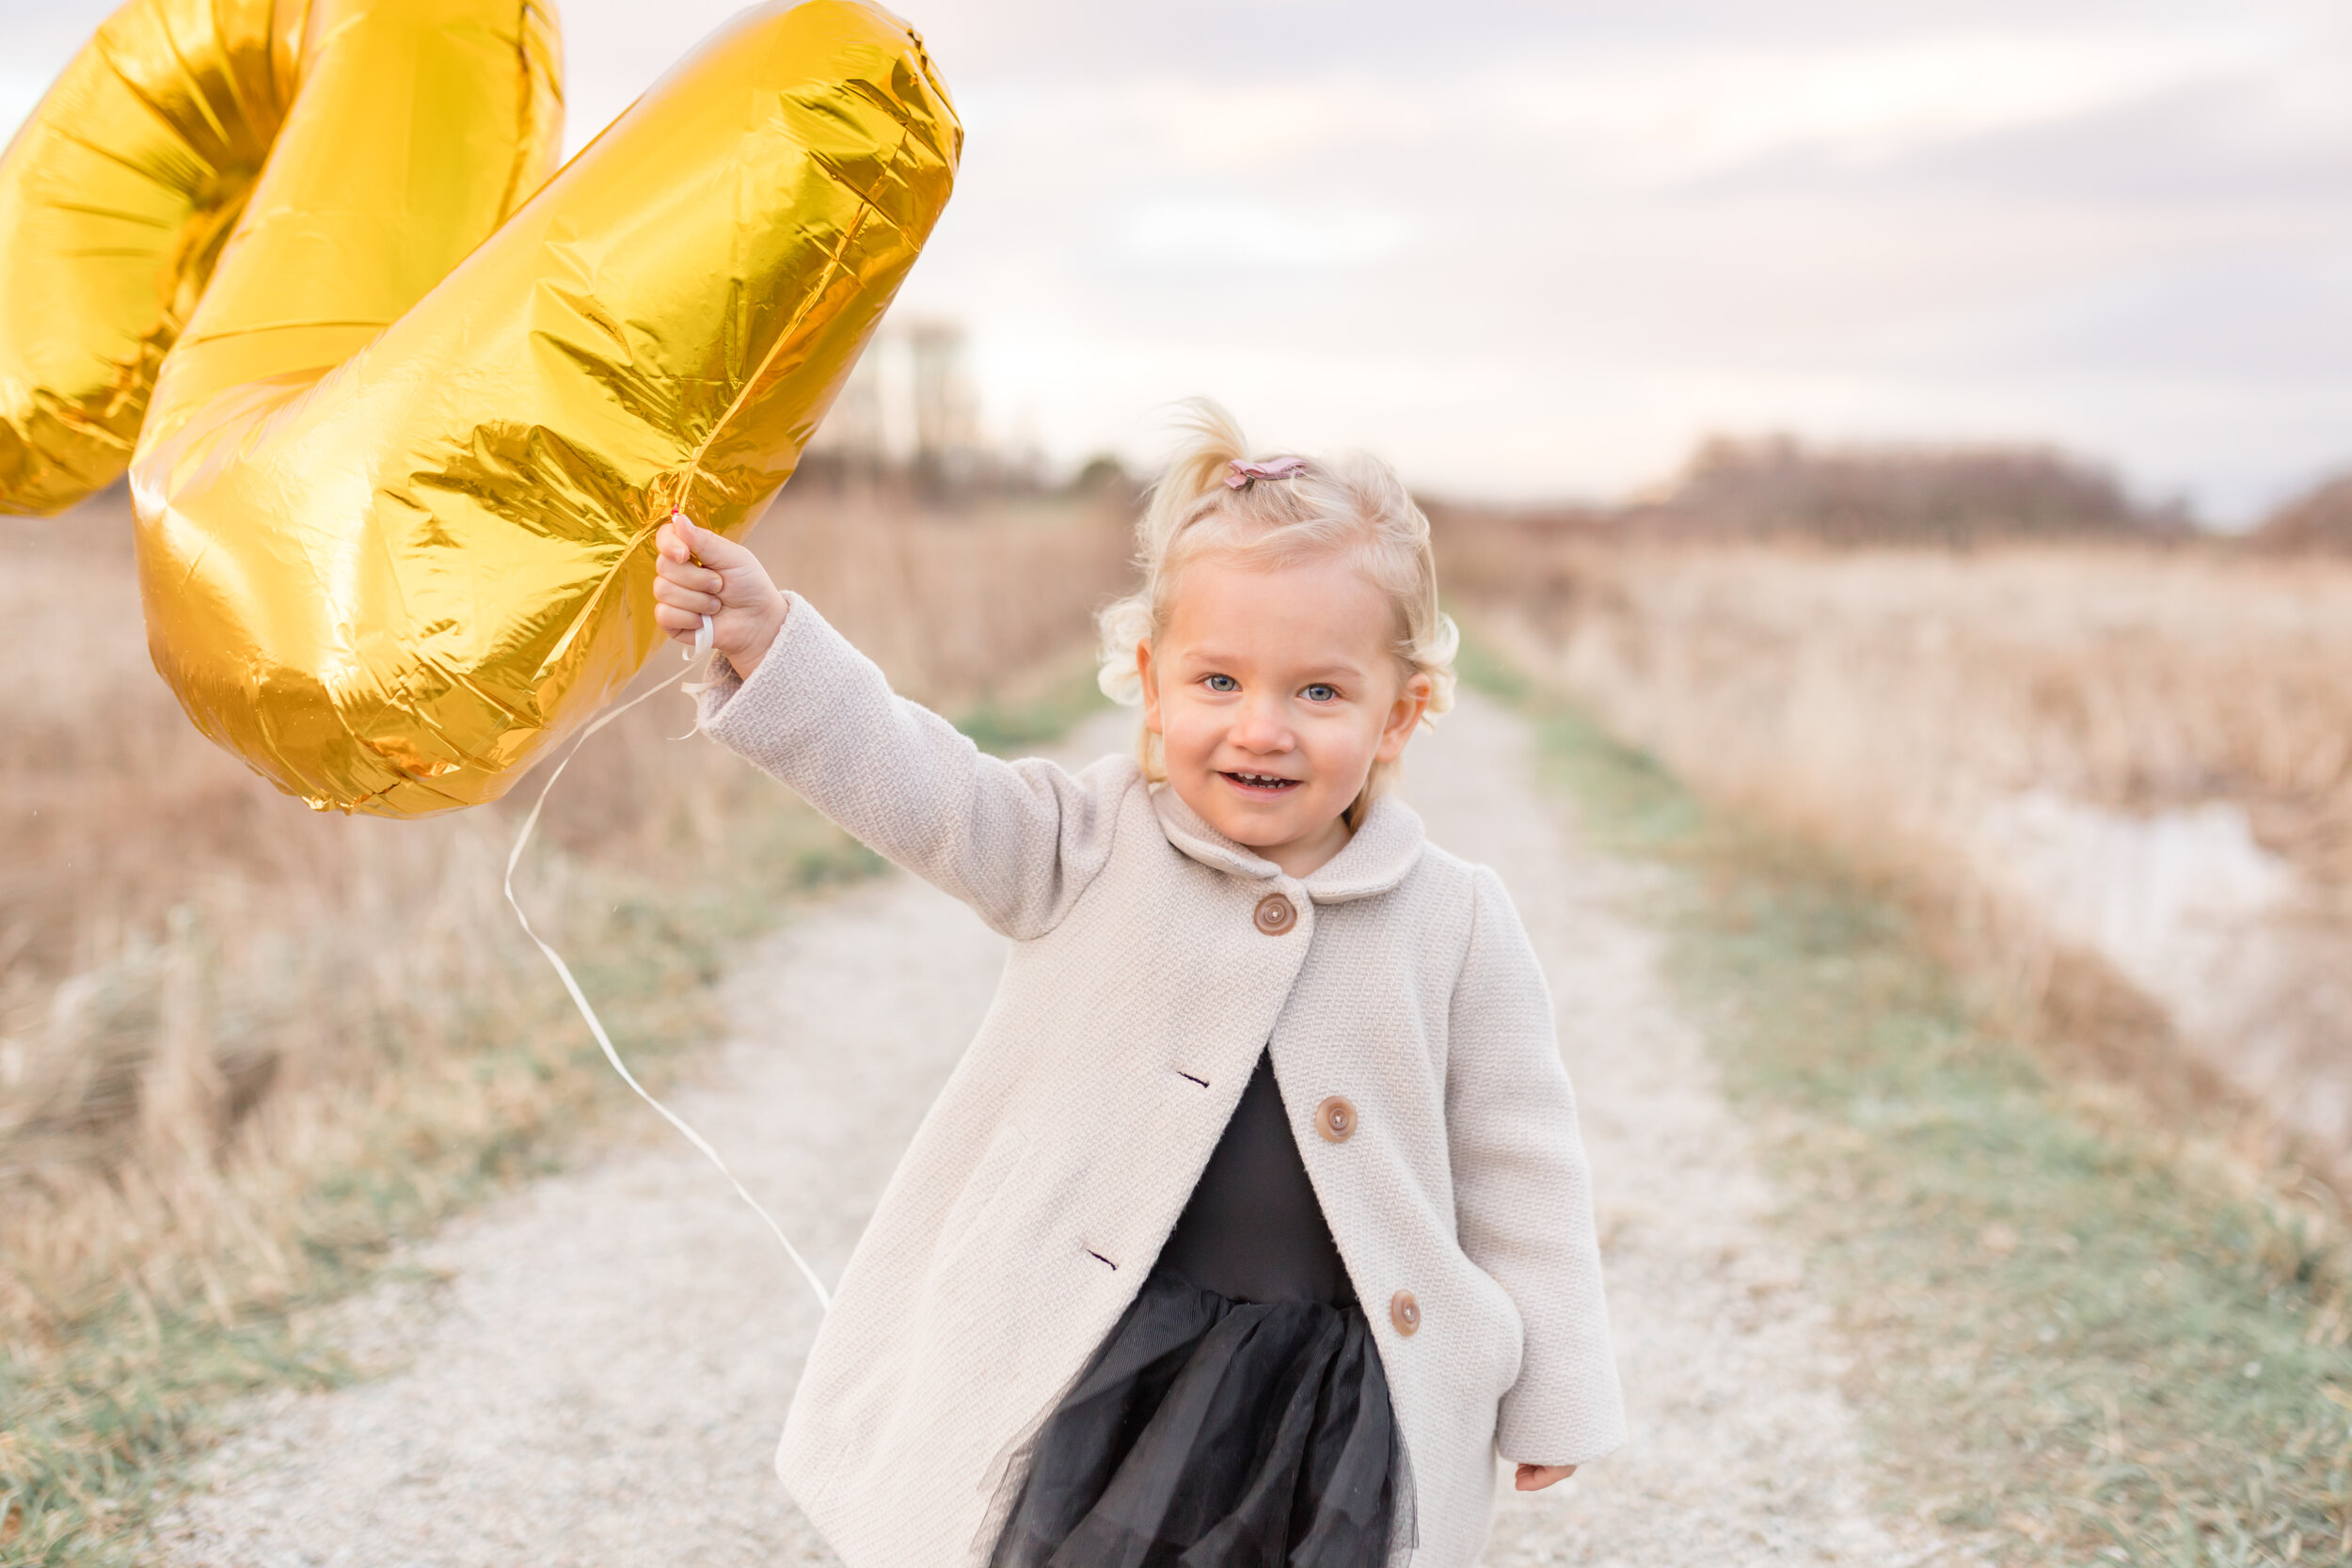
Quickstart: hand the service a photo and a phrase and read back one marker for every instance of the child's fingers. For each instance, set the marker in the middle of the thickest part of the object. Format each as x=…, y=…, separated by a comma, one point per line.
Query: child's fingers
x=711, y=548
x=674, y=539
x=1535, y=1477
x=688, y=574
x=677, y=622
x=670, y=593
x=697, y=579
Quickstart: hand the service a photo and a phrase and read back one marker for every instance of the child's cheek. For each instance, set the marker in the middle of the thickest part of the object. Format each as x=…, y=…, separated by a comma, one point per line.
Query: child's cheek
x=1190, y=733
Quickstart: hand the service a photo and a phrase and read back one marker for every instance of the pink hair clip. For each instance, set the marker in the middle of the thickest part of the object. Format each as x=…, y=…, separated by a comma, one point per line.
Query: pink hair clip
x=1279, y=468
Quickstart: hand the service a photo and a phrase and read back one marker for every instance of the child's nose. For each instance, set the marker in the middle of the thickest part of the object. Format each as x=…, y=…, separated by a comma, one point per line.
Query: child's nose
x=1259, y=728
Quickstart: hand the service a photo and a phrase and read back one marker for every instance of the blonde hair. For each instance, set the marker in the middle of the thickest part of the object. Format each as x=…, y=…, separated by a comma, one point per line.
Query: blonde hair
x=1353, y=505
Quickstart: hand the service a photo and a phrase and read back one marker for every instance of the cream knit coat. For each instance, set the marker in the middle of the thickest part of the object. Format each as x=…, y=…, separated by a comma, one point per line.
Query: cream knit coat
x=1139, y=995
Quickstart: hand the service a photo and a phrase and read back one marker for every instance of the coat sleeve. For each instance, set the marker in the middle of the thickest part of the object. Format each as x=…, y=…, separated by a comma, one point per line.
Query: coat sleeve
x=1523, y=1194
x=1017, y=841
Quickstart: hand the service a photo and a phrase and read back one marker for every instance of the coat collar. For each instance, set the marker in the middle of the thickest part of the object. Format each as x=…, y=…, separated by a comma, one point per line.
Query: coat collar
x=1387, y=846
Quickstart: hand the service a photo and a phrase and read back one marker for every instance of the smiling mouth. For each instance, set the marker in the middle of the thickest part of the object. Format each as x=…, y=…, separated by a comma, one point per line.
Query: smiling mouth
x=1261, y=784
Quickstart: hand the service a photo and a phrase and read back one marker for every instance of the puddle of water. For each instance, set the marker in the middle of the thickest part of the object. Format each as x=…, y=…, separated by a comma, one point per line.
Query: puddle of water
x=2149, y=893
x=2189, y=908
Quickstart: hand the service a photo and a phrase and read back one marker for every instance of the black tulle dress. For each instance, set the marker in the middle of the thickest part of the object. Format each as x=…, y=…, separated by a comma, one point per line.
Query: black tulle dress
x=1237, y=1417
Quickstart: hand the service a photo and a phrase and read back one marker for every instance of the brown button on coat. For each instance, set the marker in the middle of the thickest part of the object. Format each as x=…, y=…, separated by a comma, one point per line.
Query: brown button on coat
x=1141, y=989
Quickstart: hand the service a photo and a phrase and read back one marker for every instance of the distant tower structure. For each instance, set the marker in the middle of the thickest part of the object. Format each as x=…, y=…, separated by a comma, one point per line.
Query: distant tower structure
x=854, y=430
x=946, y=420
x=909, y=404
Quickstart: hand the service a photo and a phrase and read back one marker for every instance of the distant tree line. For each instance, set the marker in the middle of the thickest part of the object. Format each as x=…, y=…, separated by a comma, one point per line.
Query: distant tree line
x=2317, y=522
x=1771, y=487
x=1777, y=487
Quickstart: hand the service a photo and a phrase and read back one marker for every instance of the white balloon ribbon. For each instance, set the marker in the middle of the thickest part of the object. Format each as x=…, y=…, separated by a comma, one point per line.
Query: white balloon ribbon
x=579, y=998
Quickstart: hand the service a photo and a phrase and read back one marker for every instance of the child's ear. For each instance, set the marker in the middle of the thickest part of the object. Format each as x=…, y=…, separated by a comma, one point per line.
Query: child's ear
x=1404, y=715
x=1149, y=677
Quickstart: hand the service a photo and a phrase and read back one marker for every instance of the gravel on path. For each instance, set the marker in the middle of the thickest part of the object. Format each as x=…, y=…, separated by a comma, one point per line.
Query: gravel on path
x=597, y=1367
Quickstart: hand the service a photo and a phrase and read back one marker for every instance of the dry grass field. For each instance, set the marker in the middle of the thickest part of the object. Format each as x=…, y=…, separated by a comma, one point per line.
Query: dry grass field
x=2122, y=774
x=242, y=1046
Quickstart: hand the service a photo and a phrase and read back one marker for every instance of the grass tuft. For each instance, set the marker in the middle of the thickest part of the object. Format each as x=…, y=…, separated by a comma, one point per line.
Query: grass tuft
x=1016, y=721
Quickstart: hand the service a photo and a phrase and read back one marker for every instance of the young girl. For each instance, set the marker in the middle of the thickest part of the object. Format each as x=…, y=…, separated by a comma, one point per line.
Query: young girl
x=1255, y=1222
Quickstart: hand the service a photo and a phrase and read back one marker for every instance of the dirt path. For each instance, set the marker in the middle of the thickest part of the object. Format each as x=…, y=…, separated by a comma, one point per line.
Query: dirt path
x=598, y=1369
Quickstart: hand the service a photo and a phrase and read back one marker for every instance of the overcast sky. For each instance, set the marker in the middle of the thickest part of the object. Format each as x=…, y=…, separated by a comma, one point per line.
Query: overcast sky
x=1538, y=249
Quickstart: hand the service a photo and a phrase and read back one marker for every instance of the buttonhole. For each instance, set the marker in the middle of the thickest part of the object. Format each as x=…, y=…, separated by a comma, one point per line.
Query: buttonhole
x=1100, y=1259
x=1181, y=1073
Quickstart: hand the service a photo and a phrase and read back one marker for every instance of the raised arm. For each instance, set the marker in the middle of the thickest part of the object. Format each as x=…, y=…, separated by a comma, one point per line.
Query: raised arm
x=1523, y=1197
x=1016, y=841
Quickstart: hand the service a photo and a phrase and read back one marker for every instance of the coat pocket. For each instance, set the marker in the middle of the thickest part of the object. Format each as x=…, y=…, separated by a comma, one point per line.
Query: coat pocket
x=1504, y=1330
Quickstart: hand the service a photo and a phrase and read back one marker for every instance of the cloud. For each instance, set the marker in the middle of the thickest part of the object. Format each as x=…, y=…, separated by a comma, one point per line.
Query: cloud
x=1667, y=115
x=1246, y=232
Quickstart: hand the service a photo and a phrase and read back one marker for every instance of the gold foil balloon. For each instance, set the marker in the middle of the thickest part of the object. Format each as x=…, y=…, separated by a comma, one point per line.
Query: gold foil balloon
x=115, y=199
x=403, y=439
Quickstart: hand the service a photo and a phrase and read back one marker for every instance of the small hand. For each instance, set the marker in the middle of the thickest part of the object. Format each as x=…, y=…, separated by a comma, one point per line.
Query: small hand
x=1535, y=1477
x=699, y=573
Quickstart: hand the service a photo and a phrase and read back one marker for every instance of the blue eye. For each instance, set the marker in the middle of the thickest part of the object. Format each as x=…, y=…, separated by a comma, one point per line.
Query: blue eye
x=1319, y=692
x=1223, y=683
